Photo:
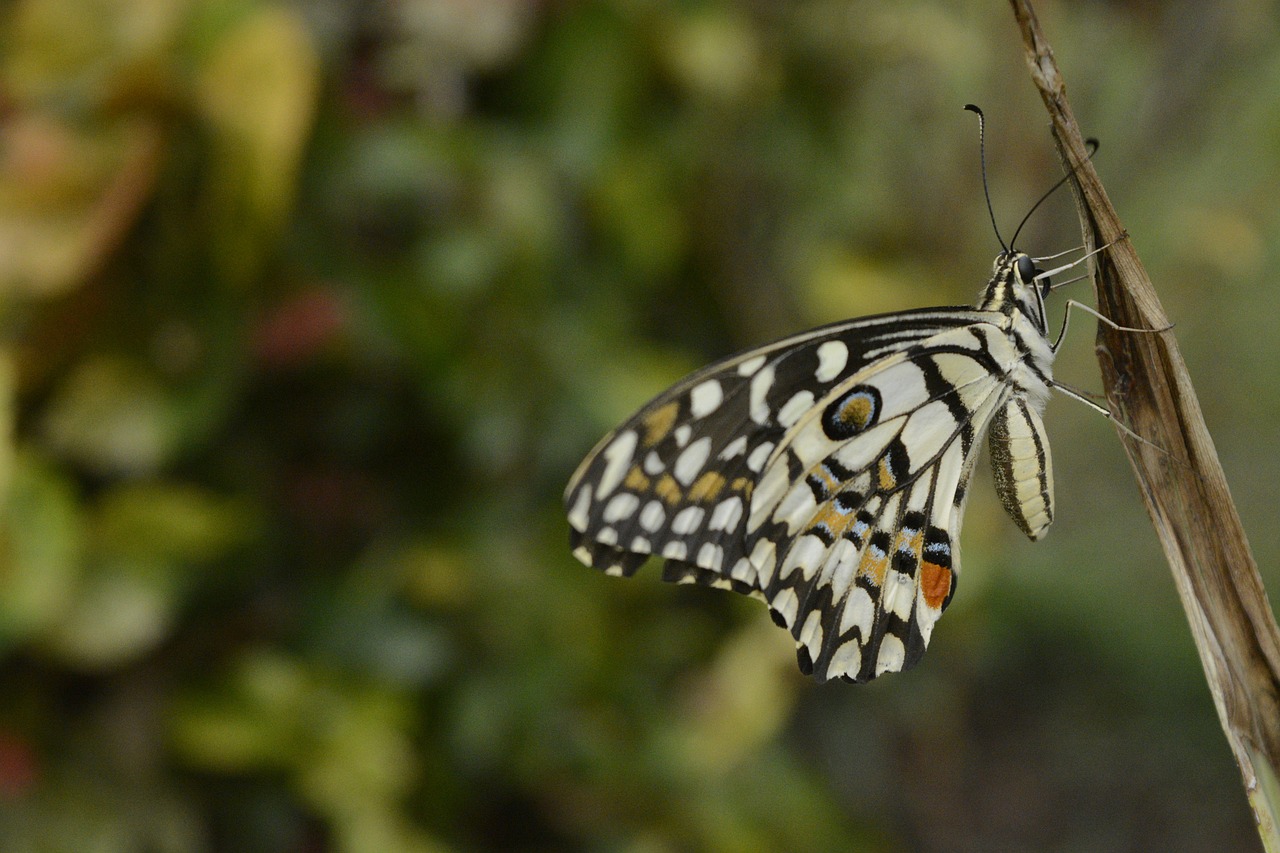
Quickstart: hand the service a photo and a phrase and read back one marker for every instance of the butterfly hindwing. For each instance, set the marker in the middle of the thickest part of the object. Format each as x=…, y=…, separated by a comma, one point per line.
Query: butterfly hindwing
x=862, y=536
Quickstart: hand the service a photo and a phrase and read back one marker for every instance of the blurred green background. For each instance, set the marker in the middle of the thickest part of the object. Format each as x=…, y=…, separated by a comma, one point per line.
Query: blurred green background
x=310, y=310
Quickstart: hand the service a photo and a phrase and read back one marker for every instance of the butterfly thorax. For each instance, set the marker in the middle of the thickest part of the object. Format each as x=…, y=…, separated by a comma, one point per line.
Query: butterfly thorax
x=1015, y=292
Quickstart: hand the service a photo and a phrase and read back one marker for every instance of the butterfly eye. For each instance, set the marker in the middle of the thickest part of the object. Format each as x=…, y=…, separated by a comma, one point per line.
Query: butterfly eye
x=1026, y=269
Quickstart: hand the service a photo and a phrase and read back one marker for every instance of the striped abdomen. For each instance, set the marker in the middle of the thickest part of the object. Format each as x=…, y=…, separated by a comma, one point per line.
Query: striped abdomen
x=1023, y=471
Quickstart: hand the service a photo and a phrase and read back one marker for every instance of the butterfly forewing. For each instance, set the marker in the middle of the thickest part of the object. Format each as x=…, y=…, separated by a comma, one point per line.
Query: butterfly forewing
x=678, y=478
x=825, y=474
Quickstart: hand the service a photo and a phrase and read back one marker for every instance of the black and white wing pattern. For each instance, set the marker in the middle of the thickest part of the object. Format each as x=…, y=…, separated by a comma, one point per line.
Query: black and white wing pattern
x=826, y=473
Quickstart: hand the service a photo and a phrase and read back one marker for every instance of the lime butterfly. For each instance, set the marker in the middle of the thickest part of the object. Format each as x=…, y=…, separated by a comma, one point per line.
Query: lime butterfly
x=826, y=473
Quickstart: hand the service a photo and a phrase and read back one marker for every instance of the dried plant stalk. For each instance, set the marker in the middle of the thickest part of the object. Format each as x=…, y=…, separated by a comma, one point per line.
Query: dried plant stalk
x=1180, y=477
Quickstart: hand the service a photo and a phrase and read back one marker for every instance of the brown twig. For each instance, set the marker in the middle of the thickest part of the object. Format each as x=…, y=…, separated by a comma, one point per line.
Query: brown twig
x=1181, y=479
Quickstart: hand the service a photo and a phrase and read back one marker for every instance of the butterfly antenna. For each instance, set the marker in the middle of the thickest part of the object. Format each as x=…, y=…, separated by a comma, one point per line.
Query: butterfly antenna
x=982, y=156
x=1092, y=145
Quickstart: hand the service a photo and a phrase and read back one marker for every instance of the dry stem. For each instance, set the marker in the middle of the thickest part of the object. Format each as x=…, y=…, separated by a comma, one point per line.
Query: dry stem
x=1181, y=480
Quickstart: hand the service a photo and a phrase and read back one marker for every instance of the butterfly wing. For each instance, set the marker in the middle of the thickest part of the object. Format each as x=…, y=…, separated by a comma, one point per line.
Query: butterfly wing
x=823, y=474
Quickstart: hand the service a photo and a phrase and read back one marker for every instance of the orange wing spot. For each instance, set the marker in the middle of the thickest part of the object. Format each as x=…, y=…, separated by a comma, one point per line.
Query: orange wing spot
x=743, y=485
x=910, y=543
x=707, y=487
x=836, y=522
x=659, y=422
x=873, y=565
x=887, y=480
x=935, y=583
x=829, y=482
x=668, y=489
x=636, y=480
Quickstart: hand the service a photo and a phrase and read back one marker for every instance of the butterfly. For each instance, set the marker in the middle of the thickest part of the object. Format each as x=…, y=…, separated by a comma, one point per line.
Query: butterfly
x=826, y=473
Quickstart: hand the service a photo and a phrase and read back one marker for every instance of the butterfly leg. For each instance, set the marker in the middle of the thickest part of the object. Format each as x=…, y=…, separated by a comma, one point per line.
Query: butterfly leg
x=1107, y=321
x=1082, y=397
x=1044, y=274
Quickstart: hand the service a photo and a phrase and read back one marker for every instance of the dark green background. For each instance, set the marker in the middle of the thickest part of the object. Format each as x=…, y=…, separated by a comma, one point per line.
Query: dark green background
x=310, y=310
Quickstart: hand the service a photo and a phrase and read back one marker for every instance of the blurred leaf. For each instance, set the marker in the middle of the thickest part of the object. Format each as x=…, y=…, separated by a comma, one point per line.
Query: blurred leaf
x=345, y=746
x=435, y=575
x=257, y=92
x=86, y=51
x=68, y=196
x=43, y=548
x=112, y=417
x=739, y=705
x=117, y=612
x=168, y=522
x=252, y=723
x=715, y=52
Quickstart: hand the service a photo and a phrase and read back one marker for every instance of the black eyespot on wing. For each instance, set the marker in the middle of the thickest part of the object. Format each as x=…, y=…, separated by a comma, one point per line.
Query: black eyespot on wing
x=852, y=413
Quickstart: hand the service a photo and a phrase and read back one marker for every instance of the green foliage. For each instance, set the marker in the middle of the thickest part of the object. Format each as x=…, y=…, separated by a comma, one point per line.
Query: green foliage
x=309, y=312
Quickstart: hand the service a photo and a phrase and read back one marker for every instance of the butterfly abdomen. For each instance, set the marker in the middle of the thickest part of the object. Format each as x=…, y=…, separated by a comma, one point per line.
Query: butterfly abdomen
x=1021, y=465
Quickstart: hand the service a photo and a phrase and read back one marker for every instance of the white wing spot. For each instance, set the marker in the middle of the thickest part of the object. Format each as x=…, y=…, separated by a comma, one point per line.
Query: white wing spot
x=621, y=506
x=859, y=611
x=811, y=633
x=806, y=555
x=841, y=563
x=617, y=459
x=640, y=545
x=786, y=604
x=771, y=489
x=675, y=551
x=734, y=448
x=797, y=508
x=742, y=570
x=751, y=365
x=710, y=556
x=705, y=398
x=926, y=618
x=653, y=464
x=846, y=661
x=727, y=514
x=607, y=536
x=764, y=556
x=690, y=463
x=759, y=456
x=892, y=655
x=652, y=516
x=578, y=516
x=899, y=593
x=832, y=358
x=687, y=520
x=760, y=385
x=795, y=408
x=810, y=445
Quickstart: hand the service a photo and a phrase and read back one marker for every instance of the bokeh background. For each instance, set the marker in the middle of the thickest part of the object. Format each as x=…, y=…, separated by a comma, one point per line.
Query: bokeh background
x=309, y=311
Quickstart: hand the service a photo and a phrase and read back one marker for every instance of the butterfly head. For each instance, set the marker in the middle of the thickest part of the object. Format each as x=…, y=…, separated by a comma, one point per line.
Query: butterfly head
x=1017, y=285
